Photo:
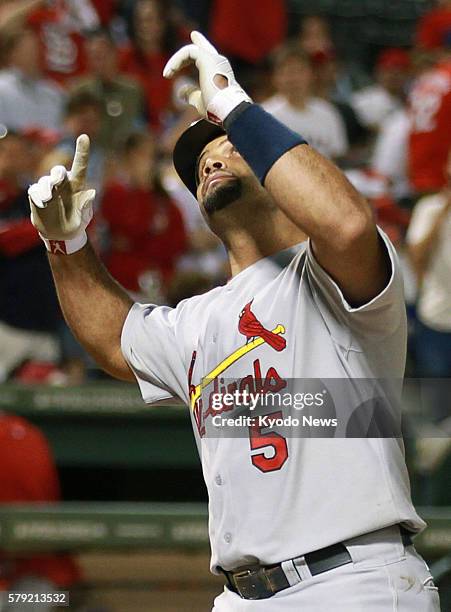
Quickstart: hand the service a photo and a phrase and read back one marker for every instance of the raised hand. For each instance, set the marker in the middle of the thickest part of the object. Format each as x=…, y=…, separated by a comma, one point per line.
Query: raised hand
x=218, y=92
x=61, y=207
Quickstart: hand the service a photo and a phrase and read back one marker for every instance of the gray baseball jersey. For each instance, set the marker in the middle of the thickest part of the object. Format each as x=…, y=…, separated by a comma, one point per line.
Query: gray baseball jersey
x=274, y=497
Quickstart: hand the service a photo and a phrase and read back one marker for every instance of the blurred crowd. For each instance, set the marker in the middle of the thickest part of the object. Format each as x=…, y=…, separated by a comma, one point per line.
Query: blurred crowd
x=95, y=66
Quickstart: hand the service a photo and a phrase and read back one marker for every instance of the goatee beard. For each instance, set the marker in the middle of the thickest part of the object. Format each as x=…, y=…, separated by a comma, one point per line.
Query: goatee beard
x=223, y=195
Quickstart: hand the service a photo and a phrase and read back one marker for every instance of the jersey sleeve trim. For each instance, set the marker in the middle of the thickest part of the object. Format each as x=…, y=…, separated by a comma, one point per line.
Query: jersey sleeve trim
x=150, y=392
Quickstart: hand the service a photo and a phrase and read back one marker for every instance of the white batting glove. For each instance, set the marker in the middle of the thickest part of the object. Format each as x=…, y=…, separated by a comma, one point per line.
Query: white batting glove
x=211, y=101
x=61, y=207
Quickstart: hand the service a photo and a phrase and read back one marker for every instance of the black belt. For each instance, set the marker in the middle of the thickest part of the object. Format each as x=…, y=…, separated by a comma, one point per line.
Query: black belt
x=264, y=581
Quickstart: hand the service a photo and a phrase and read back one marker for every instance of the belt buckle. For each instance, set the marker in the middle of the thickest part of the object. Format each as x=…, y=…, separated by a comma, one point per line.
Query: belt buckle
x=252, y=584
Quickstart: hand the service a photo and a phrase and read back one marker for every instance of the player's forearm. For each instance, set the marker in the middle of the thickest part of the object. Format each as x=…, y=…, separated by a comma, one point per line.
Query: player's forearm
x=319, y=199
x=309, y=189
x=94, y=306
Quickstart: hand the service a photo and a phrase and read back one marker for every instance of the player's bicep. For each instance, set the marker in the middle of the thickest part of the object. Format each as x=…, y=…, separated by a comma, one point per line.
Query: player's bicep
x=119, y=368
x=361, y=270
x=379, y=316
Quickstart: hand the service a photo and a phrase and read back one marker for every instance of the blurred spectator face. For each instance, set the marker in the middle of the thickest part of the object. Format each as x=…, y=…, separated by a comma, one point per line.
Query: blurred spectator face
x=85, y=120
x=293, y=77
x=393, y=80
x=314, y=35
x=149, y=23
x=25, y=54
x=393, y=70
x=140, y=161
x=325, y=72
x=55, y=157
x=102, y=56
x=13, y=158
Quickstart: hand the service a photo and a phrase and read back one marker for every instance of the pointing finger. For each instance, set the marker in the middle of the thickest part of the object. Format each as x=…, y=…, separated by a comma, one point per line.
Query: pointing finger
x=202, y=42
x=80, y=163
x=184, y=56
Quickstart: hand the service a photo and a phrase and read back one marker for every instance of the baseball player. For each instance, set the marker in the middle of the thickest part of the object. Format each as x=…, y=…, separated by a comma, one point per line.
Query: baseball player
x=308, y=523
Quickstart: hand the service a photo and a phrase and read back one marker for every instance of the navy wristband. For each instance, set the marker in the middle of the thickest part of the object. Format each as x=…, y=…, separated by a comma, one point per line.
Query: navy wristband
x=259, y=137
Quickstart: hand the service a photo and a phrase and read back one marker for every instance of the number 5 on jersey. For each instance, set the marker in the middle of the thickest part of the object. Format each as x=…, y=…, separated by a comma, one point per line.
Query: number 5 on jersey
x=272, y=447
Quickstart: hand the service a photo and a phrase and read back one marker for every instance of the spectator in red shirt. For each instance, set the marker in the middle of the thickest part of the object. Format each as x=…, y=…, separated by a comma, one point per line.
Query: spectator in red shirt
x=60, y=25
x=434, y=26
x=28, y=474
x=430, y=111
x=259, y=28
x=106, y=10
x=154, y=37
x=146, y=229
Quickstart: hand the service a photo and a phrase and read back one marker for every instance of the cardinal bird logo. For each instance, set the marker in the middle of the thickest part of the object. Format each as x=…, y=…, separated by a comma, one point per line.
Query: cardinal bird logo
x=256, y=335
x=251, y=327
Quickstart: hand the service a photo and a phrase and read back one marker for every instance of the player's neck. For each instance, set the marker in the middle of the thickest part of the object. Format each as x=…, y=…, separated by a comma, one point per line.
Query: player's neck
x=246, y=247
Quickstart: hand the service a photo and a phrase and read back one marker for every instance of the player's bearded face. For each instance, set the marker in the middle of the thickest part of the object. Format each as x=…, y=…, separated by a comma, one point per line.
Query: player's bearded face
x=219, y=172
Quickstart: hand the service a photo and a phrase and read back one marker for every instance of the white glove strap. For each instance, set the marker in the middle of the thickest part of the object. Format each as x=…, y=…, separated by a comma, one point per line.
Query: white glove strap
x=65, y=247
x=224, y=102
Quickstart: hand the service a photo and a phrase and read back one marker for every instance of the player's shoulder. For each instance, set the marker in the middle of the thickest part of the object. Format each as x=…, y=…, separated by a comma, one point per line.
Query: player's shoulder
x=199, y=304
x=184, y=319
